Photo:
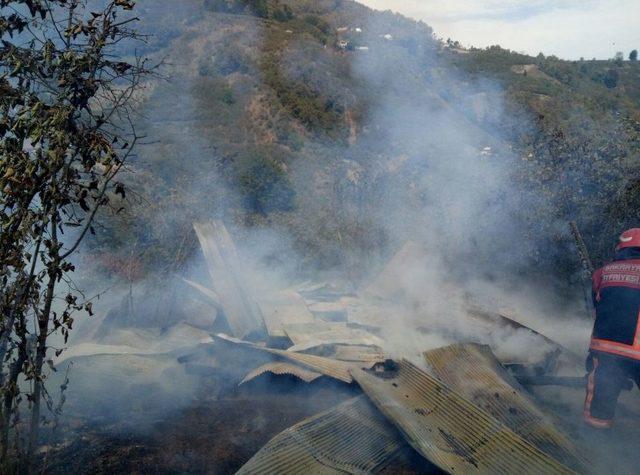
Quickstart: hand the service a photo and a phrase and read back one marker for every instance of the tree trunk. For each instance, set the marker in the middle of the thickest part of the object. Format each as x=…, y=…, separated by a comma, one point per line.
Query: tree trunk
x=43, y=333
x=41, y=352
x=10, y=389
x=9, y=385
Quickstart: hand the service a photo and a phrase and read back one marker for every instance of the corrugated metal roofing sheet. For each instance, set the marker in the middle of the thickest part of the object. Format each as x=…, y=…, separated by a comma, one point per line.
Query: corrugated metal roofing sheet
x=308, y=335
x=281, y=368
x=474, y=372
x=380, y=314
x=283, y=308
x=221, y=256
x=370, y=355
x=391, y=281
x=212, y=297
x=332, y=368
x=351, y=438
x=450, y=431
x=356, y=353
x=506, y=321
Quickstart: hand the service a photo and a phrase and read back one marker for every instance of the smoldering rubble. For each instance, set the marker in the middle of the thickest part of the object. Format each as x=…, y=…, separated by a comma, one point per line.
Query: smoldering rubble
x=458, y=390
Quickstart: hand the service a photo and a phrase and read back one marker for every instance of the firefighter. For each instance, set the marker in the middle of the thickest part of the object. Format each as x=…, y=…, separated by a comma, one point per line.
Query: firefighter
x=614, y=356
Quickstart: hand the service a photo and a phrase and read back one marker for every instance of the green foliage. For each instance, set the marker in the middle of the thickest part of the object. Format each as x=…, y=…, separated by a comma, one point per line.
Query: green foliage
x=318, y=23
x=291, y=98
x=633, y=55
x=214, y=90
x=263, y=182
x=618, y=58
x=611, y=78
x=581, y=148
x=267, y=9
x=61, y=150
x=283, y=14
x=319, y=114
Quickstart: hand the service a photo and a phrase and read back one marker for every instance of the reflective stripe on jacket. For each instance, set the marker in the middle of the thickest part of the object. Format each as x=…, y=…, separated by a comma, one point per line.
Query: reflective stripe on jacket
x=616, y=295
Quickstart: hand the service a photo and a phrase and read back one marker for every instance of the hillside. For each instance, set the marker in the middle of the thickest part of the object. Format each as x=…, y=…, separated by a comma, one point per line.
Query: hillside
x=334, y=133
x=328, y=203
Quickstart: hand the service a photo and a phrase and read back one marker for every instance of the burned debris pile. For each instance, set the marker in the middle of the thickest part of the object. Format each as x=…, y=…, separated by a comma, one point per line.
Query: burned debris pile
x=457, y=405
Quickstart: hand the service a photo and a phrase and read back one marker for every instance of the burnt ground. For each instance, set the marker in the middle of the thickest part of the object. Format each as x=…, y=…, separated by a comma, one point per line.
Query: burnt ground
x=220, y=426
x=215, y=436
x=610, y=452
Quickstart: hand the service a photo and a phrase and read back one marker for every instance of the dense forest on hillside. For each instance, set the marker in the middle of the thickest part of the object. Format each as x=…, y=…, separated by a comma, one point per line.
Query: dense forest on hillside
x=335, y=126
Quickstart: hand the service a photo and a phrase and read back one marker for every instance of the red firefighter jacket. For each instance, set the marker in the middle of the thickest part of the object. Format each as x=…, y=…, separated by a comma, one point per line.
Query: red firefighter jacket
x=616, y=295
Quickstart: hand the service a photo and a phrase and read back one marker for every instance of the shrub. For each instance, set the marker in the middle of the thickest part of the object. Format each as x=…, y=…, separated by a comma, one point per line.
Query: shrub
x=263, y=183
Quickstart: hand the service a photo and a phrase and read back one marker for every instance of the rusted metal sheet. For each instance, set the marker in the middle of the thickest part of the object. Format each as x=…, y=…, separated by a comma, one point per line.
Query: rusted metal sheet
x=474, y=372
x=242, y=314
x=281, y=368
x=450, y=431
x=285, y=307
x=351, y=438
x=308, y=335
x=332, y=368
